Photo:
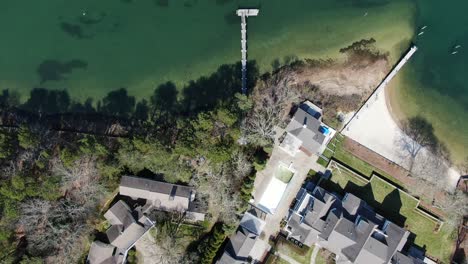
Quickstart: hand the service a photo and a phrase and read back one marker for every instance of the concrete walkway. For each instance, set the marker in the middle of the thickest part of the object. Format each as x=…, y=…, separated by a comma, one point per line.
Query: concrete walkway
x=287, y=258
x=314, y=254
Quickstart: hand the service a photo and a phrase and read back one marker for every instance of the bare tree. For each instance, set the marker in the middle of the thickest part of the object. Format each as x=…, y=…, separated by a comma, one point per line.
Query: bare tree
x=57, y=228
x=269, y=110
x=165, y=244
x=241, y=165
x=261, y=123
x=54, y=228
x=35, y=214
x=217, y=185
x=81, y=182
x=421, y=135
x=455, y=205
x=431, y=168
x=426, y=189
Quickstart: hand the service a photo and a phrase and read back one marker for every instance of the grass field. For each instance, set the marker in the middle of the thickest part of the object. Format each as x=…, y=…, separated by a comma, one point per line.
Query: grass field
x=283, y=174
x=354, y=162
x=322, y=256
x=397, y=206
x=301, y=255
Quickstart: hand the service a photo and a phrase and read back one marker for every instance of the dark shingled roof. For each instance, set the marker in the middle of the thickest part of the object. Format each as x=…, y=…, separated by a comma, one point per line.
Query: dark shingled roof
x=358, y=235
x=156, y=186
x=305, y=127
x=351, y=227
x=400, y=258
x=100, y=253
x=241, y=243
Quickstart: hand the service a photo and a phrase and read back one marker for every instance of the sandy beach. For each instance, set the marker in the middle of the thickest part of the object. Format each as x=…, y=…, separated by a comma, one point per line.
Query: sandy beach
x=376, y=127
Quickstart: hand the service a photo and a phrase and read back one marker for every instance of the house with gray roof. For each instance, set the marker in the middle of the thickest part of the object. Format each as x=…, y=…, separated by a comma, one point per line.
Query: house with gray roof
x=127, y=227
x=245, y=246
x=347, y=227
x=162, y=196
x=306, y=132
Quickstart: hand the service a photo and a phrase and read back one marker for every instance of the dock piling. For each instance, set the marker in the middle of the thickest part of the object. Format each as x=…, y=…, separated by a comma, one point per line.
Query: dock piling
x=244, y=13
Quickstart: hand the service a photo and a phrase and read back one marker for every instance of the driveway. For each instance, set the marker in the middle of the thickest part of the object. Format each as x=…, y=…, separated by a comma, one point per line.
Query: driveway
x=302, y=164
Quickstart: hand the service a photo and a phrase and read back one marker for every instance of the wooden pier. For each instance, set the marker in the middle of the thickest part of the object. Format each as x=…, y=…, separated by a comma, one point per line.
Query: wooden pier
x=244, y=13
x=381, y=88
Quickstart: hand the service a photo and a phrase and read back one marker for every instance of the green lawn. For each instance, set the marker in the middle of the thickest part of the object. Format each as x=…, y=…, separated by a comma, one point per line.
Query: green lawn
x=327, y=153
x=283, y=174
x=276, y=260
x=322, y=161
x=356, y=163
x=301, y=255
x=396, y=206
x=322, y=256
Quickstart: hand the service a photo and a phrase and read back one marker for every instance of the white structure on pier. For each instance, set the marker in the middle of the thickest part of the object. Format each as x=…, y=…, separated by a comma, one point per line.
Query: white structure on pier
x=243, y=13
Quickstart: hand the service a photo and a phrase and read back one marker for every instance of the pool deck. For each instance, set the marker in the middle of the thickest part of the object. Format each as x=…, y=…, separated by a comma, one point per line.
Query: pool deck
x=301, y=164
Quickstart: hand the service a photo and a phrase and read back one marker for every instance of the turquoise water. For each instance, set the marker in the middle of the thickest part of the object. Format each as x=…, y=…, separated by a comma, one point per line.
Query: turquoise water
x=435, y=83
x=91, y=47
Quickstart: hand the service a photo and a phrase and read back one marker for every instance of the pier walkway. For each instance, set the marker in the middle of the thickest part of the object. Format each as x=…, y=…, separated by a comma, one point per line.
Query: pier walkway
x=244, y=13
x=380, y=89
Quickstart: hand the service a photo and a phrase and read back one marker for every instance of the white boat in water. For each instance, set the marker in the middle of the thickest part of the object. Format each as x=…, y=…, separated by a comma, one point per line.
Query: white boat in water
x=423, y=27
x=454, y=52
x=420, y=33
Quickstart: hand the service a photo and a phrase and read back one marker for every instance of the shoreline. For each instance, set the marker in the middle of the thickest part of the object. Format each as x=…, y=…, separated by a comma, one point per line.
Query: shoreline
x=391, y=100
x=378, y=127
x=402, y=104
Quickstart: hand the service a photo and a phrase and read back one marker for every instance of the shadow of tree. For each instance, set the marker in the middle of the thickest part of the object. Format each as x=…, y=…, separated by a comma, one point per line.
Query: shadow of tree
x=86, y=107
x=388, y=208
x=54, y=70
x=164, y=101
x=275, y=64
x=142, y=110
x=207, y=92
x=391, y=205
x=204, y=94
x=42, y=100
x=117, y=103
x=9, y=98
x=73, y=30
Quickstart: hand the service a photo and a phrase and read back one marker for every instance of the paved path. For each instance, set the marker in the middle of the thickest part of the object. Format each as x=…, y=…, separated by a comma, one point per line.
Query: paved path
x=287, y=258
x=302, y=164
x=314, y=254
